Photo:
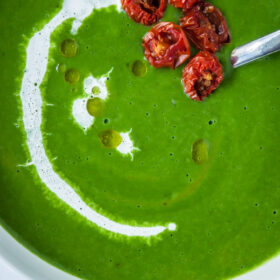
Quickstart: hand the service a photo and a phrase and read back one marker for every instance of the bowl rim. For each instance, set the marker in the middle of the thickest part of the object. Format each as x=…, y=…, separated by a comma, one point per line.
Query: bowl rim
x=23, y=264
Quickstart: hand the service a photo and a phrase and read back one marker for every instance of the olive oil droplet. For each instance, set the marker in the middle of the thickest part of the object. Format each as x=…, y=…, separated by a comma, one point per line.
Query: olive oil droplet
x=200, y=151
x=61, y=68
x=72, y=76
x=139, y=68
x=110, y=138
x=95, y=107
x=69, y=48
x=95, y=90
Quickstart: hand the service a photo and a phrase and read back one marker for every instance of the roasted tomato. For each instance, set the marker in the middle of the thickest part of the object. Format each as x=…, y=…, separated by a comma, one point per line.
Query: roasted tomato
x=202, y=75
x=206, y=27
x=146, y=12
x=183, y=4
x=166, y=45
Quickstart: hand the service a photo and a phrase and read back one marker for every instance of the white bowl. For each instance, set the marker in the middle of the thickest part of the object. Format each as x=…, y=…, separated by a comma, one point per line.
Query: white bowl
x=17, y=263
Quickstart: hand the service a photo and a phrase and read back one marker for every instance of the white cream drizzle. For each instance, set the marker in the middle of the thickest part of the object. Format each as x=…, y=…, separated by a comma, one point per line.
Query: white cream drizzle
x=35, y=69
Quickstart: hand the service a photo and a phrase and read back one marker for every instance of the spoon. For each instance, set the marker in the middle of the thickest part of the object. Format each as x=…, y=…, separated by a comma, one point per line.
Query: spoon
x=256, y=49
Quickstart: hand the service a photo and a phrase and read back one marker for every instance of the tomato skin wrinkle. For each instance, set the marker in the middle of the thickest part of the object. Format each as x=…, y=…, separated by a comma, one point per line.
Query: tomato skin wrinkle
x=146, y=12
x=202, y=75
x=183, y=4
x=206, y=27
x=166, y=45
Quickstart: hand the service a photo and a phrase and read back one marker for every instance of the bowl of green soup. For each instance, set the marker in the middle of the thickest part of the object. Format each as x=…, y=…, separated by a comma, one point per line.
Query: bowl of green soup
x=110, y=171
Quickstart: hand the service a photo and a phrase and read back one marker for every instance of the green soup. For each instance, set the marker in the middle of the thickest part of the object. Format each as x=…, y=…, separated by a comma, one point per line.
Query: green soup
x=206, y=174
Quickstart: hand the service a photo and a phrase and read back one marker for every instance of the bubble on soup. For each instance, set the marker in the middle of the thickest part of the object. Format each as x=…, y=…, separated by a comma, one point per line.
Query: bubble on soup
x=69, y=48
x=110, y=138
x=139, y=68
x=200, y=151
x=95, y=107
x=72, y=76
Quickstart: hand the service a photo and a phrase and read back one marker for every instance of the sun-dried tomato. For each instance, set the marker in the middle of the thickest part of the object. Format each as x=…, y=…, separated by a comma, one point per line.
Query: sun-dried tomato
x=166, y=45
x=202, y=75
x=146, y=12
x=183, y=4
x=206, y=27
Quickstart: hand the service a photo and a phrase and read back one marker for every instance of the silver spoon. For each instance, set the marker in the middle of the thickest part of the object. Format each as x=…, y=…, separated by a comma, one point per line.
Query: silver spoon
x=256, y=49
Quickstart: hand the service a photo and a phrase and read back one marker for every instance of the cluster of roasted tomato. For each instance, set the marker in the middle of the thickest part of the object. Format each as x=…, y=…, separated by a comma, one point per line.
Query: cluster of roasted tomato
x=167, y=45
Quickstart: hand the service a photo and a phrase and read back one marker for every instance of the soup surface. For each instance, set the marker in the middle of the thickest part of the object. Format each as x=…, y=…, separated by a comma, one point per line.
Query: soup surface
x=196, y=184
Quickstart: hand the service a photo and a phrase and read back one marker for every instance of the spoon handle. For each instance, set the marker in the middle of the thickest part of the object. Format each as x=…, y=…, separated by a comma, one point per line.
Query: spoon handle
x=256, y=49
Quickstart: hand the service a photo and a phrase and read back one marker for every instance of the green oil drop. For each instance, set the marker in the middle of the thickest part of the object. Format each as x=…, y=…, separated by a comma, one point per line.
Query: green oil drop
x=69, y=48
x=72, y=76
x=139, y=68
x=95, y=107
x=110, y=138
x=200, y=151
x=61, y=68
x=95, y=90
